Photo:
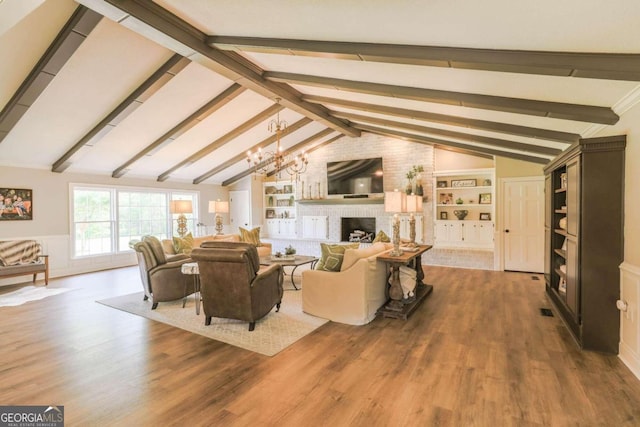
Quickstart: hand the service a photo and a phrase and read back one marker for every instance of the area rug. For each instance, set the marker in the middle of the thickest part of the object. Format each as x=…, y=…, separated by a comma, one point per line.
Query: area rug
x=273, y=333
x=28, y=293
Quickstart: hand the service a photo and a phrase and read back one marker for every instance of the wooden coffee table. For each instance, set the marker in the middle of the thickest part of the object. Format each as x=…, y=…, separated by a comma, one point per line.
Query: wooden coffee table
x=290, y=262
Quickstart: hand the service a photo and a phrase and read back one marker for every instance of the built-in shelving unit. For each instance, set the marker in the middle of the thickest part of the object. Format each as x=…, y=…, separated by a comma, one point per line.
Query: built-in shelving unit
x=279, y=209
x=584, y=239
x=457, y=191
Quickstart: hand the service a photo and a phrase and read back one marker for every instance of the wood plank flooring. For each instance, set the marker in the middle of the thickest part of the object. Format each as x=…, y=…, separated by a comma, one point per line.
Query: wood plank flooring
x=477, y=352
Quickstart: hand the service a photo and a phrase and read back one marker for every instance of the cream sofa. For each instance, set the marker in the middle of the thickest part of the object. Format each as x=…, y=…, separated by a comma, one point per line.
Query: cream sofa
x=263, y=250
x=352, y=295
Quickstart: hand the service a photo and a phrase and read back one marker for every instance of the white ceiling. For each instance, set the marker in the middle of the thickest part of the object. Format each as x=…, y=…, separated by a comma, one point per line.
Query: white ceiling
x=123, y=50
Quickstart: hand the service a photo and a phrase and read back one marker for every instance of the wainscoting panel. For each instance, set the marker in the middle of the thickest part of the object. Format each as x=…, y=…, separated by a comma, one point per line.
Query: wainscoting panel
x=629, y=351
x=58, y=247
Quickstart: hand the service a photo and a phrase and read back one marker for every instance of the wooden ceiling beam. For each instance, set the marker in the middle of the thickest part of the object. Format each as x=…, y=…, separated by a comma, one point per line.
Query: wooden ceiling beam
x=610, y=66
x=507, y=128
x=236, y=67
x=206, y=110
x=158, y=79
x=441, y=142
x=229, y=136
x=68, y=39
x=496, y=142
x=558, y=110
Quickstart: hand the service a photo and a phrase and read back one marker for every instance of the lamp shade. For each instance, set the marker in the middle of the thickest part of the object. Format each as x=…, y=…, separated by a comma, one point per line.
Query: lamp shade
x=180, y=206
x=395, y=201
x=414, y=203
x=218, y=206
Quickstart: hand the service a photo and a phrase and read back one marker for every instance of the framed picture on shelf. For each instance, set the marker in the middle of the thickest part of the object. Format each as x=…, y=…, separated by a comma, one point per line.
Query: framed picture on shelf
x=445, y=198
x=444, y=215
x=288, y=189
x=271, y=213
x=485, y=216
x=442, y=184
x=485, y=199
x=463, y=182
x=16, y=204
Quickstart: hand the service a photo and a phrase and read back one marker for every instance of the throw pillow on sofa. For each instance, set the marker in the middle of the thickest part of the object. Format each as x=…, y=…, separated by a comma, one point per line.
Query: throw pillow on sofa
x=183, y=245
x=250, y=236
x=333, y=255
x=381, y=237
x=351, y=256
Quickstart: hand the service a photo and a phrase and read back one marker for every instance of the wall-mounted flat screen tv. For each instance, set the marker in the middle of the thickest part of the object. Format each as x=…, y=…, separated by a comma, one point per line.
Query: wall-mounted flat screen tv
x=362, y=176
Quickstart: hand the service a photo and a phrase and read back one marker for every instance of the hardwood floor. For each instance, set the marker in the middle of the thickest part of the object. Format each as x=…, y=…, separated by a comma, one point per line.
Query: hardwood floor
x=476, y=353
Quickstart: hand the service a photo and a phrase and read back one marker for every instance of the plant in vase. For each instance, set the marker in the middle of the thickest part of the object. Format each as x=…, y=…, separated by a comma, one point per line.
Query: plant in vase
x=409, y=187
x=417, y=171
x=289, y=250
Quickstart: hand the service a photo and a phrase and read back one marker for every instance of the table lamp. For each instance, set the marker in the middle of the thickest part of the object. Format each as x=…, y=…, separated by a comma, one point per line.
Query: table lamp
x=181, y=207
x=395, y=202
x=218, y=207
x=414, y=204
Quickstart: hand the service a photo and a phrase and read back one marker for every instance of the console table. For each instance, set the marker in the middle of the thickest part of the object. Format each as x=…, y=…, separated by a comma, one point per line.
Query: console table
x=396, y=307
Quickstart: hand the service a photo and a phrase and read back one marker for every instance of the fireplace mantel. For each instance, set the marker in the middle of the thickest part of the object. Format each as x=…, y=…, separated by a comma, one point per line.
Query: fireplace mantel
x=338, y=201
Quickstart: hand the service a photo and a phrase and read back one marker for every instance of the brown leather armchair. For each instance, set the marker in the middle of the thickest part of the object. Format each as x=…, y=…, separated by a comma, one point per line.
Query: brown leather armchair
x=162, y=278
x=233, y=286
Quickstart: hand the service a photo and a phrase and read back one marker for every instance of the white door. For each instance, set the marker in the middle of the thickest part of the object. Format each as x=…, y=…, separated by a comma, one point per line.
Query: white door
x=239, y=210
x=523, y=224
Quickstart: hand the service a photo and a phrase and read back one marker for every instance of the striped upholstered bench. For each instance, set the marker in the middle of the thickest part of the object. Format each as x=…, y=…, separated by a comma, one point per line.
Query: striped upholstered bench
x=22, y=257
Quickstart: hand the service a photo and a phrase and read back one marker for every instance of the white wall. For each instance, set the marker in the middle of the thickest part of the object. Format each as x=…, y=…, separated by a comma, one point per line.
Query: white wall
x=450, y=160
x=51, y=225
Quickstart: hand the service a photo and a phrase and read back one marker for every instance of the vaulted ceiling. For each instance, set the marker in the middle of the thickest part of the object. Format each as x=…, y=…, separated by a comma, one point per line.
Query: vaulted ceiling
x=182, y=89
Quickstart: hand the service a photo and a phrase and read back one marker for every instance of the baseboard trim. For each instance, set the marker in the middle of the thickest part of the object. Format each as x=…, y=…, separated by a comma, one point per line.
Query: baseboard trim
x=629, y=358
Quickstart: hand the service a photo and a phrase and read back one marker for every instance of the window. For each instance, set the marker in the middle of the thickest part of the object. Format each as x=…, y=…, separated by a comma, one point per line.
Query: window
x=106, y=219
x=93, y=221
x=139, y=214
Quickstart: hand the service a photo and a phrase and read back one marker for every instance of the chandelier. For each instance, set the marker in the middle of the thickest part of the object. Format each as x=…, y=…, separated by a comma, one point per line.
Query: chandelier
x=274, y=162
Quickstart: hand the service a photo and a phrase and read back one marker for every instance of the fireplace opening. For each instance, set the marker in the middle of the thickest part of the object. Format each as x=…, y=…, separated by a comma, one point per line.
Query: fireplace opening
x=359, y=229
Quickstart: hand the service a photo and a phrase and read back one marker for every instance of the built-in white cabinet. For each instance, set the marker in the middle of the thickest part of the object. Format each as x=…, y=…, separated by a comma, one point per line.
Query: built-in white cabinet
x=464, y=208
x=280, y=227
x=464, y=234
x=279, y=209
x=315, y=227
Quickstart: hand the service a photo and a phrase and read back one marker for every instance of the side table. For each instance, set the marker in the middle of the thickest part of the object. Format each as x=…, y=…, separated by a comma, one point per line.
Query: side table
x=396, y=307
x=191, y=268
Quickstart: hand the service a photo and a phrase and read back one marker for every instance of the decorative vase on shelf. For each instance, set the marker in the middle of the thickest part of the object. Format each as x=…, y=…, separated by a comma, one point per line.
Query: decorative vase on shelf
x=461, y=214
x=459, y=201
x=408, y=187
x=419, y=188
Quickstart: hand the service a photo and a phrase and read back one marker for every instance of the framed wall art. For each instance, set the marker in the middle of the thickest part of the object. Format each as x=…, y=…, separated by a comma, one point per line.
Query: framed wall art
x=485, y=198
x=485, y=216
x=16, y=204
x=463, y=182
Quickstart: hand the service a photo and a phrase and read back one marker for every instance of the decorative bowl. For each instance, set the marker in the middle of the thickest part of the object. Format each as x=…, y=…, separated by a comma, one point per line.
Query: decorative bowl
x=461, y=214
